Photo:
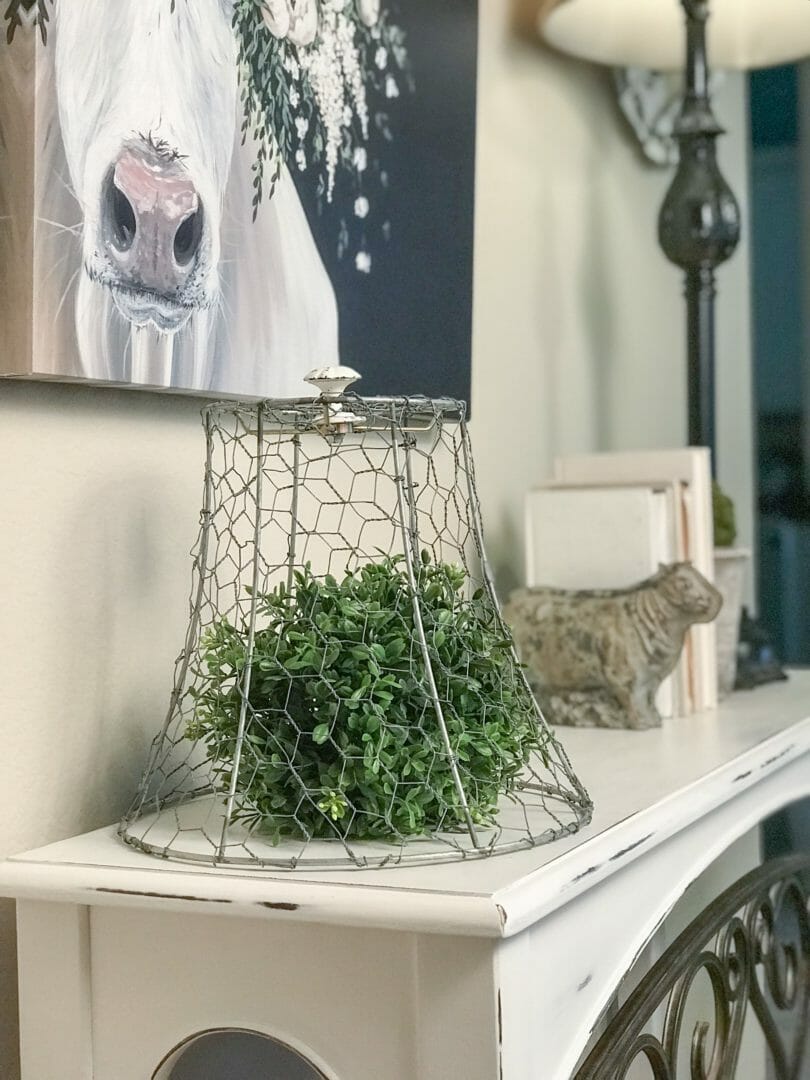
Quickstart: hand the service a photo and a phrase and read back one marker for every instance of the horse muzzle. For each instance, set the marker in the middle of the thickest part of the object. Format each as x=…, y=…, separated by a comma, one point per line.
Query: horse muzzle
x=151, y=229
x=142, y=308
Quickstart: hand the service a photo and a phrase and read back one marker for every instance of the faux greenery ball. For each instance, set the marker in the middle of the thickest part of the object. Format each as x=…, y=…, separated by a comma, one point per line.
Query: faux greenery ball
x=342, y=737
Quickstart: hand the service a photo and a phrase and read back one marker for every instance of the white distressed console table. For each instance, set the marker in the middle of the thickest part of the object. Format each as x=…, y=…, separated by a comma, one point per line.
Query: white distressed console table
x=494, y=969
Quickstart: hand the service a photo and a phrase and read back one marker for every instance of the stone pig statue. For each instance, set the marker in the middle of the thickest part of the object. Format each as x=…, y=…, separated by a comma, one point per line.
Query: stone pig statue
x=597, y=658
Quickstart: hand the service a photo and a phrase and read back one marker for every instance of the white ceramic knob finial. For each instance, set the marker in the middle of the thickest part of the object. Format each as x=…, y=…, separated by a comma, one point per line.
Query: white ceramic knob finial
x=332, y=382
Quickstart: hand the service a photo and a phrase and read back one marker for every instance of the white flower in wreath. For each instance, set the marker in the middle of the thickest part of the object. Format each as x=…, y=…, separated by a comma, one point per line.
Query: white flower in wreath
x=300, y=159
x=381, y=57
x=369, y=11
x=303, y=21
x=301, y=126
x=391, y=88
x=294, y=97
x=361, y=206
x=291, y=67
x=276, y=17
x=333, y=66
x=293, y=19
x=362, y=261
x=360, y=158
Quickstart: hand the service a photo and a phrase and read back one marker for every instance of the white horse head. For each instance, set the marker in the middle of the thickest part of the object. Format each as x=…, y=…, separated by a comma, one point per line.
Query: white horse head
x=179, y=285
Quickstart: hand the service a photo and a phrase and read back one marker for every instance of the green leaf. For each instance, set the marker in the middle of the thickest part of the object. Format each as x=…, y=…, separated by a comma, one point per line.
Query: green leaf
x=320, y=734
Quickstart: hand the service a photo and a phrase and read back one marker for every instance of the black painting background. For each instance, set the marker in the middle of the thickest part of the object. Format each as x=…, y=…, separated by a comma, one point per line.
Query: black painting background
x=407, y=326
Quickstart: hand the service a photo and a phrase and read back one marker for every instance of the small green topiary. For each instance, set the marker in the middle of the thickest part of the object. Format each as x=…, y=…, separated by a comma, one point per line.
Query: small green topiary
x=342, y=737
x=725, y=524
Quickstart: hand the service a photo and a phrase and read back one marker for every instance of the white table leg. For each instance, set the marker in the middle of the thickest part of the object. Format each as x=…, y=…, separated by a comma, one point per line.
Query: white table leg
x=457, y=1009
x=55, y=1015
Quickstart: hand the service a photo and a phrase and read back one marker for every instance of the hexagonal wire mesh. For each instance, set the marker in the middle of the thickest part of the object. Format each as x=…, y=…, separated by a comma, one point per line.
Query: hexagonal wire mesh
x=348, y=694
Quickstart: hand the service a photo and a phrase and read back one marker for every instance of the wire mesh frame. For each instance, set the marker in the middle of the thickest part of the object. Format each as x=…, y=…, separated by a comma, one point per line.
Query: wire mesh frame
x=287, y=488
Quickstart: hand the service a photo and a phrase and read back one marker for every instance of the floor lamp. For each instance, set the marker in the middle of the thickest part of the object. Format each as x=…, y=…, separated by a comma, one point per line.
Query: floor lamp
x=699, y=223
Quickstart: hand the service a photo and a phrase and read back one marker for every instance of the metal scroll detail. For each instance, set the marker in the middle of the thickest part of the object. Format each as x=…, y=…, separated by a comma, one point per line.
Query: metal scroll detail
x=751, y=950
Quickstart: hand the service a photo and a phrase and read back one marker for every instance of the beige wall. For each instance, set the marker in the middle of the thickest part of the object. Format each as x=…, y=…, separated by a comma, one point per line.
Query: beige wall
x=577, y=344
x=99, y=498
x=579, y=319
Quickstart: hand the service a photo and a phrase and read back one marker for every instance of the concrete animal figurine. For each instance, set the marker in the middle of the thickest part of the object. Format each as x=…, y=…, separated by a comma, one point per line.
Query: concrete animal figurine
x=596, y=658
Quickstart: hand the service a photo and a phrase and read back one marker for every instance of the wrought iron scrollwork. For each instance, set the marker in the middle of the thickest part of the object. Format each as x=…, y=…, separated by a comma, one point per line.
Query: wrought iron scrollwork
x=752, y=947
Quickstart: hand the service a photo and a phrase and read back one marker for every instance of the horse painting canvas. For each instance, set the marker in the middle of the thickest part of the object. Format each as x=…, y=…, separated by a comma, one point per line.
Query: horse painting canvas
x=218, y=195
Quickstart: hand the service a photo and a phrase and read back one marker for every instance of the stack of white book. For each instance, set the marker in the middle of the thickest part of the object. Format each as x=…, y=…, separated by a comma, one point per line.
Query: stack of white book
x=609, y=520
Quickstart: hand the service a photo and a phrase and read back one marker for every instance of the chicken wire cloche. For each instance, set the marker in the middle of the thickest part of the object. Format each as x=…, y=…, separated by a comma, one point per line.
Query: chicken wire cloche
x=348, y=694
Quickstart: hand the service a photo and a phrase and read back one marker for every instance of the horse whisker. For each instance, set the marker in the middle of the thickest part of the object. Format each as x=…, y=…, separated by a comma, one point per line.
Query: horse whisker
x=75, y=230
x=68, y=287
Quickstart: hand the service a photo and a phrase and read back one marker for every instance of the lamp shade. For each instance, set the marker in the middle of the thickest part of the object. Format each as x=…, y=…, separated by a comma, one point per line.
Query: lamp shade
x=742, y=34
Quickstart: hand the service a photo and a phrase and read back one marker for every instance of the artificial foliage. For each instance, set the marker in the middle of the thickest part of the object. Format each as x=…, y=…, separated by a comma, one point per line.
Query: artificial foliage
x=725, y=522
x=308, y=105
x=341, y=732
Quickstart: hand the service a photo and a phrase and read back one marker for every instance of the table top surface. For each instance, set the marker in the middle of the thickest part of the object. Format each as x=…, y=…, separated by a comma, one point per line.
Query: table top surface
x=646, y=786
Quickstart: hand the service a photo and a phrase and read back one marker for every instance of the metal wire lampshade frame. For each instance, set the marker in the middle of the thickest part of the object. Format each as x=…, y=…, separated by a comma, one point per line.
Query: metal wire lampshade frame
x=269, y=757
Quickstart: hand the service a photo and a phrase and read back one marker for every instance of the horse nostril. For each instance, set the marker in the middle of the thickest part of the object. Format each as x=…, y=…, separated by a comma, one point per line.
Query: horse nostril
x=122, y=218
x=187, y=238
x=152, y=224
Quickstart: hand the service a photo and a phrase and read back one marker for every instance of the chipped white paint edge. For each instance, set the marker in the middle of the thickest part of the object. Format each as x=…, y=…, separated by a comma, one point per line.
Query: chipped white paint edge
x=539, y=894
x=557, y=977
x=168, y=889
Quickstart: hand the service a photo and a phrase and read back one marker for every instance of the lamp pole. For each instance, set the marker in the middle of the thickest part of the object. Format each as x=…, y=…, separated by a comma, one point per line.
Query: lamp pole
x=699, y=224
